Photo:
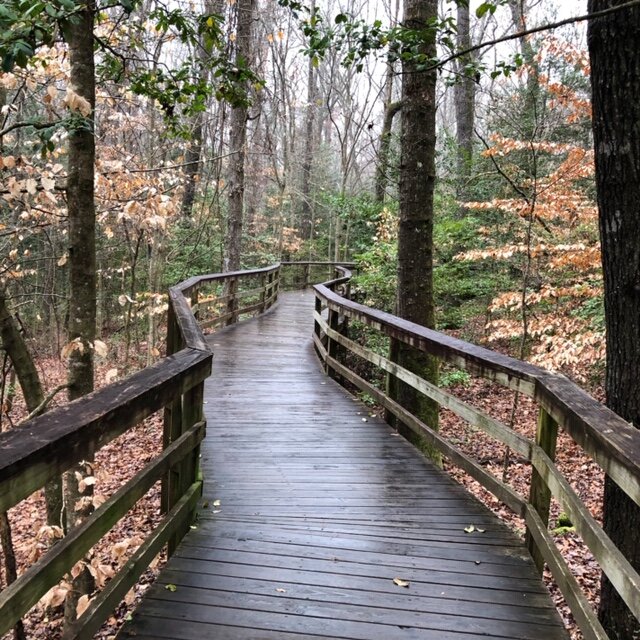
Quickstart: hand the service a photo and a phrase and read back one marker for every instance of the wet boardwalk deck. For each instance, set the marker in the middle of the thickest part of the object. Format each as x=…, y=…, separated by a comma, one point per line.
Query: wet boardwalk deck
x=319, y=511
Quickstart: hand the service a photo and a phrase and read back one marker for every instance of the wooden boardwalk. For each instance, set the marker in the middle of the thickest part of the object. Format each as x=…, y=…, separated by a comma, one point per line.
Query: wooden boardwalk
x=321, y=507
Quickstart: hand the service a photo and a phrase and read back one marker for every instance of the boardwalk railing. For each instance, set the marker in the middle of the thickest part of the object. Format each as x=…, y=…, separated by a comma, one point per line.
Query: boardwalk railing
x=45, y=447
x=605, y=437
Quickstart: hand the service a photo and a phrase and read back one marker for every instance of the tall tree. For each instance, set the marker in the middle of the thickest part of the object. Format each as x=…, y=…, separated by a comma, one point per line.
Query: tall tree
x=82, y=256
x=464, y=98
x=306, y=222
x=237, y=140
x=615, y=81
x=214, y=9
x=414, y=299
x=391, y=109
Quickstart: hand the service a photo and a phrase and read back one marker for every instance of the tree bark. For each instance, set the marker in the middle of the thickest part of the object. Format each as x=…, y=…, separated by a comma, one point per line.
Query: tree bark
x=464, y=98
x=82, y=263
x=529, y=116
x=306, y=209
x=6, y=539
x=237, y=142
x=615, y=82
x=382, y=168
x=27, y=374
x=414, y=300
x=193, y=154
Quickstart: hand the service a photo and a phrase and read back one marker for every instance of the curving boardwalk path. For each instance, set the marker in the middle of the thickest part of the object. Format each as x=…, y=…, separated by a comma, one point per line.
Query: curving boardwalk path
x=319, y=512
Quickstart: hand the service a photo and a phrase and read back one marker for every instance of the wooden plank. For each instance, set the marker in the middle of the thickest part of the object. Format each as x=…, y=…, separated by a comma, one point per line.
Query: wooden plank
x=498, y=488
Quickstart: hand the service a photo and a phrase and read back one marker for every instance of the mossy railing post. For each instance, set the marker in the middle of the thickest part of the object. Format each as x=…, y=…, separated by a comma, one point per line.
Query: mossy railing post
x=540, y=495
x=269, y=291
x=391, y=383
x=189, y=473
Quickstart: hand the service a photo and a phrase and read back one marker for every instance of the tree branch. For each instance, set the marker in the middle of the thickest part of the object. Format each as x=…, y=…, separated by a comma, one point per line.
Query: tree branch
x=22, y=125
x=527, y=32
x=43, y=405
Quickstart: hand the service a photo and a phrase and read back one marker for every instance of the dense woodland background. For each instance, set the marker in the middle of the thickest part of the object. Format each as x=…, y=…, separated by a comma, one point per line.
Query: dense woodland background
x=235, y=134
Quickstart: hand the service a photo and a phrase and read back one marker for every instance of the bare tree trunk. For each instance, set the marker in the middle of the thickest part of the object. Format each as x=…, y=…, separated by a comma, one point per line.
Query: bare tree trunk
x=192, y=168
x=6, y=538
x=193, y=154
x=391, y=109
x=414, y=300
x=17, y=350
x=382, y=169
x=615, y=82
x=464, y=97
x=237, y=142
x=82, y=265
x=306, y=210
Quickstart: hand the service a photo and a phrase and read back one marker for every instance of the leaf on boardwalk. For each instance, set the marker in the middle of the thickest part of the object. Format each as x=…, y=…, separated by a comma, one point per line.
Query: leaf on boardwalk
x=171, y=587
x=399, y=582
x=473, y=529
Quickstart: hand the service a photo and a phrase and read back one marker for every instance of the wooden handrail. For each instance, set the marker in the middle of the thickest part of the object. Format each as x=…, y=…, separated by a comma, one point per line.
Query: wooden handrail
x=604, y=436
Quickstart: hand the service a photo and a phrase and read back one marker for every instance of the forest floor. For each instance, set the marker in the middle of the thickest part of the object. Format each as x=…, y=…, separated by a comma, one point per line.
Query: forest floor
x=120, y=460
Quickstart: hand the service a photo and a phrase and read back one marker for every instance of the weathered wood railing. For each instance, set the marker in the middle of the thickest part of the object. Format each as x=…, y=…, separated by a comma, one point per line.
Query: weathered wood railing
x=47, y=446
x=605, y=437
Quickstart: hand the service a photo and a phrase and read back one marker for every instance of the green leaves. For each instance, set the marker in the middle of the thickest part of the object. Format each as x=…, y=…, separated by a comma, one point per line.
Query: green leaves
x=26, y=25
x=489, y=7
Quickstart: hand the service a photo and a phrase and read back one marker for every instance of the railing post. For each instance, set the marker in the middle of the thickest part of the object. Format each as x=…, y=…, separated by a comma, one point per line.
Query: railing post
x=391, y=383
x=264, y=296
x=318, y=308
x=333, y=347
x=540, y=495
x=306, y=276
x=275, y=290
x=270, y=291
x=194, y=302
x=232, y=303
x=189, y=468
x=170, y=492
